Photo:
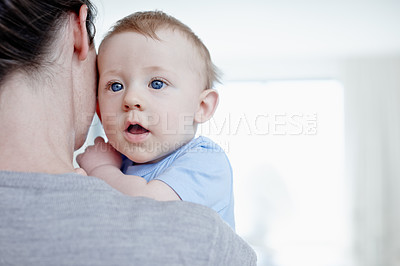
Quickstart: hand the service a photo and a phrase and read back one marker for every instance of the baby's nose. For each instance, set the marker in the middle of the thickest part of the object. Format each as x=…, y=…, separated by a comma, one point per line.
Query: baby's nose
x=132, y=100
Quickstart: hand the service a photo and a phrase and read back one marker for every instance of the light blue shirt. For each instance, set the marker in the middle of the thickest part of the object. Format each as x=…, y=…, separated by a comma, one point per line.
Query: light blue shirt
x=198, y=172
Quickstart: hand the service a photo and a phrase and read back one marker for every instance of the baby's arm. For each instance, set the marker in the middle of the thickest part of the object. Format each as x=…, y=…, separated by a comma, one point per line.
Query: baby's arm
x=103, y=161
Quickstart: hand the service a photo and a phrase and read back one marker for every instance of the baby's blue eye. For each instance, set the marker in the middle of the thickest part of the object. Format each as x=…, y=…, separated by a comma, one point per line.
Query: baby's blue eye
x=116, y=86
x=157, y=84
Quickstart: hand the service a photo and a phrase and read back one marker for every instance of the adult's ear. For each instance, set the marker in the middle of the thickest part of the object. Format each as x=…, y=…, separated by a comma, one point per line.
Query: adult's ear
x=208, y=104
x=81, y=39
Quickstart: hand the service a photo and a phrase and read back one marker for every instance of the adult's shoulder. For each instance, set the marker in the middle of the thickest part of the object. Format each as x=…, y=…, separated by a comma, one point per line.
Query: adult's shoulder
x=78, y=220
x=200, y=233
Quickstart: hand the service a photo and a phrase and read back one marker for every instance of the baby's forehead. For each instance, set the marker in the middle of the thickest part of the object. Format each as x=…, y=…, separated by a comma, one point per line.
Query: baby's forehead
x=195, y=59
x=162, y=33
x=174, y=37
x=173, y=43
x=179, y=36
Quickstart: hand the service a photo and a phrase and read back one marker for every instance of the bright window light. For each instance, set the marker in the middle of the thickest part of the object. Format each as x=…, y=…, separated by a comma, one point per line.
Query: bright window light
x=285, y=141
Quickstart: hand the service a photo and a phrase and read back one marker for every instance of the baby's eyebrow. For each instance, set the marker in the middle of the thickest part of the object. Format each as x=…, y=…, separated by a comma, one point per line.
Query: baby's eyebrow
x=110, y=71
x=156, y=68
x=159, y=69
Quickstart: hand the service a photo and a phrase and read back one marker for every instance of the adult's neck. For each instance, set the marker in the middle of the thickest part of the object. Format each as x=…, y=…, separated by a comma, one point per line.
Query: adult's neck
x=37, y=133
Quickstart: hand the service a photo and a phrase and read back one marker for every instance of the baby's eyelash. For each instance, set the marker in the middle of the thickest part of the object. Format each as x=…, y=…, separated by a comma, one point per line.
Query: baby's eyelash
x=160, y=79
x=109, y=85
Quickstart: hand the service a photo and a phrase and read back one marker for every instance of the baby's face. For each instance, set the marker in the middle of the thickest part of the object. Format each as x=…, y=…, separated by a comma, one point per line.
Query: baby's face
x=149, y=92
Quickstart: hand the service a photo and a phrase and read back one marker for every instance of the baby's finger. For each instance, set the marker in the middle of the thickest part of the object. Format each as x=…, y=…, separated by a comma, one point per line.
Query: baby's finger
x=80, y=171
x=79, y=158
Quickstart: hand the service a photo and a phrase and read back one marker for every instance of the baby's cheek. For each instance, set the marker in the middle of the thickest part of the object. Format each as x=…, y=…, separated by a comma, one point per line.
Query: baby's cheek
x=115, y=144
x=111, y=122
x=109, y=128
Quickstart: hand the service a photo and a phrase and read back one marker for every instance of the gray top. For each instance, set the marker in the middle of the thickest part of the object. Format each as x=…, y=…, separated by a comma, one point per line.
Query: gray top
x=70, y=219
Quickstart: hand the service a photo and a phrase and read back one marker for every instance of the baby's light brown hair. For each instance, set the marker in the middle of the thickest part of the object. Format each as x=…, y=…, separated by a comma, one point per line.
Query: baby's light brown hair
x=147, y=23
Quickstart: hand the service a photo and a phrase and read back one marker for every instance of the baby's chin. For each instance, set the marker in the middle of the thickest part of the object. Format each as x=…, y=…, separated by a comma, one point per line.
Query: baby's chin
x=147, y=160
x=145, y=157
x=149, y=154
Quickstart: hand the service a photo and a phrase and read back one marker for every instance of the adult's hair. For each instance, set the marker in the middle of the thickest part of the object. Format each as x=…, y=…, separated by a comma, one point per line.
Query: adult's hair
x=147, y=23
x=28, y=29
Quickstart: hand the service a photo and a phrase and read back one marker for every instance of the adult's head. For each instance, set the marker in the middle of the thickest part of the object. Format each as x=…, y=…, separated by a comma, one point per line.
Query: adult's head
x=29, y=29
x=48, y=77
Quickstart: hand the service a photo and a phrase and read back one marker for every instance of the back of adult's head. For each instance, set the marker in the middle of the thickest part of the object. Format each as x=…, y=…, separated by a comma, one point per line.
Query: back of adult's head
x=29, y=28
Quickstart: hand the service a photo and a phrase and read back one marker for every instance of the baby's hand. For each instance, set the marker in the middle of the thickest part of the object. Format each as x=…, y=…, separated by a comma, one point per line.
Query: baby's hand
x=99, y=154
x=80, y=171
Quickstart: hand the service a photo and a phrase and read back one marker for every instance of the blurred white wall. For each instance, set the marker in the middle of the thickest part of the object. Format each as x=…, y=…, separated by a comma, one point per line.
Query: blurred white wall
x=356, y=42
x=372, y=113
x=263, y=39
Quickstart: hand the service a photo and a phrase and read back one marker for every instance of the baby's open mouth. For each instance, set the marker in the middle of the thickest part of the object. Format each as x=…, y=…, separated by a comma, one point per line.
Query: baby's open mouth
x=136, y=129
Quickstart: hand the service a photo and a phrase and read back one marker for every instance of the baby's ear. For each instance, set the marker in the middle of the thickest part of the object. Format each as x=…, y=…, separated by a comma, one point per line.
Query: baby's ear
x=208, y=103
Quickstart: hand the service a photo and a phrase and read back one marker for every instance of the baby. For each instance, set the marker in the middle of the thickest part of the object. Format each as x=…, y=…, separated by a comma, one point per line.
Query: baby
x=155, y=87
